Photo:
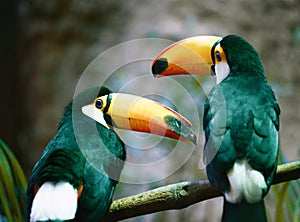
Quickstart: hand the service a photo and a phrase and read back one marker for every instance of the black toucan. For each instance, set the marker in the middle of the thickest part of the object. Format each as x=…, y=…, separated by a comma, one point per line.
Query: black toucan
x=75, y=178
x=241, y=119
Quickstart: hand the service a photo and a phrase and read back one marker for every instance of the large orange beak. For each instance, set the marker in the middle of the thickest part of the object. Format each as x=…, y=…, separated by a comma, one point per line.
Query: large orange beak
x=193, y=55
x=136, y=113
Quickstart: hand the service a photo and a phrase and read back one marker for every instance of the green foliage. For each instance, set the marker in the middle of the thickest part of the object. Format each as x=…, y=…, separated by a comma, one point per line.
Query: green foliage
x=287, y=196
x=12, y=185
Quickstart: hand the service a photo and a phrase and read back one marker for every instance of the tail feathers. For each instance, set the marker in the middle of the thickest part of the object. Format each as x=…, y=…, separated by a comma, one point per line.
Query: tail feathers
x=54, y=201
x=244, y=212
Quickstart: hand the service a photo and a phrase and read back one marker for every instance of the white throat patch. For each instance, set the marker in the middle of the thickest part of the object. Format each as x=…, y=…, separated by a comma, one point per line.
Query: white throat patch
x=92, y=112
x=222, y=71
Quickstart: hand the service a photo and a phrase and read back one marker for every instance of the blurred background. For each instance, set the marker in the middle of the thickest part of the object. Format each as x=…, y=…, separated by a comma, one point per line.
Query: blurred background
x=47, y=45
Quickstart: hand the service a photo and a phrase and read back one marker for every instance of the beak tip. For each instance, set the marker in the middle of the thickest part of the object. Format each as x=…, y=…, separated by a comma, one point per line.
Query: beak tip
x=194, y=139
x=181, y=129
x=191, y=138
x=159, y=66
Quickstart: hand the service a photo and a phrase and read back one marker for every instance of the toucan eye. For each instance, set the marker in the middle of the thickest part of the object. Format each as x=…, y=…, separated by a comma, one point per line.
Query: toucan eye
x=218, y=56
x=99, y=103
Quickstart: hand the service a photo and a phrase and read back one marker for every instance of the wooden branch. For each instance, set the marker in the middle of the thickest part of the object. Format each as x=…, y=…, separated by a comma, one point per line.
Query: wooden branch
x=181, y=195
x=287, y=172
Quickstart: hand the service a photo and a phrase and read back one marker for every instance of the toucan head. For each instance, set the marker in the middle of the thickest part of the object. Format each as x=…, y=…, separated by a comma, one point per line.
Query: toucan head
x=205, y=55
x=130, y=112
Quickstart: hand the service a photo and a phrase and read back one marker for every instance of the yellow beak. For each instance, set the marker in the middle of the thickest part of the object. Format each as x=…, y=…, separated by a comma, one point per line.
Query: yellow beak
x=193, y=55
x=136, y=113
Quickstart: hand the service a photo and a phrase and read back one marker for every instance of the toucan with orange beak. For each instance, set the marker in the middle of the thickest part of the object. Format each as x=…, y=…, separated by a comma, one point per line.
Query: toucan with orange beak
x=241, y=119
x=75, y=178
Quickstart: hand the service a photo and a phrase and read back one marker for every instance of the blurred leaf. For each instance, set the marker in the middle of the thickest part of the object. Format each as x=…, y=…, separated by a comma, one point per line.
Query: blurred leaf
x=13, y=186
x=296, y=34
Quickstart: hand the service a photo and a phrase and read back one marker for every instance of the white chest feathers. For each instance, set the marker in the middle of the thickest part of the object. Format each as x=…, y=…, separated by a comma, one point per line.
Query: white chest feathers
x=245, y=182
x=54, y=201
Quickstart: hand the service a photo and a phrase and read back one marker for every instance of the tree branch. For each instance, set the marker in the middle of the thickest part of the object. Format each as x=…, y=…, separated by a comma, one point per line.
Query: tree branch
x=181, y=195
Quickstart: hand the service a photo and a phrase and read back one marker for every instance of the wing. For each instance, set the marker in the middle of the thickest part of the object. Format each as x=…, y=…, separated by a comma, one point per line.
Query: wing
x=263, y=149
x=101, y=174
x=219, y=153
x=59, y=164
x=96, y=197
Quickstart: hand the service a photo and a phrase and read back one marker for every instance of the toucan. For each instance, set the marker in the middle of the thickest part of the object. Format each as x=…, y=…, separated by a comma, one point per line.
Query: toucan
x=240, y=120
x=75, y=178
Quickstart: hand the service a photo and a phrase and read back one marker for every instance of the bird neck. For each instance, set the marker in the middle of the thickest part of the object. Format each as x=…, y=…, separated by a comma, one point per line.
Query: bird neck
x=248, y=70
x=90, y=136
